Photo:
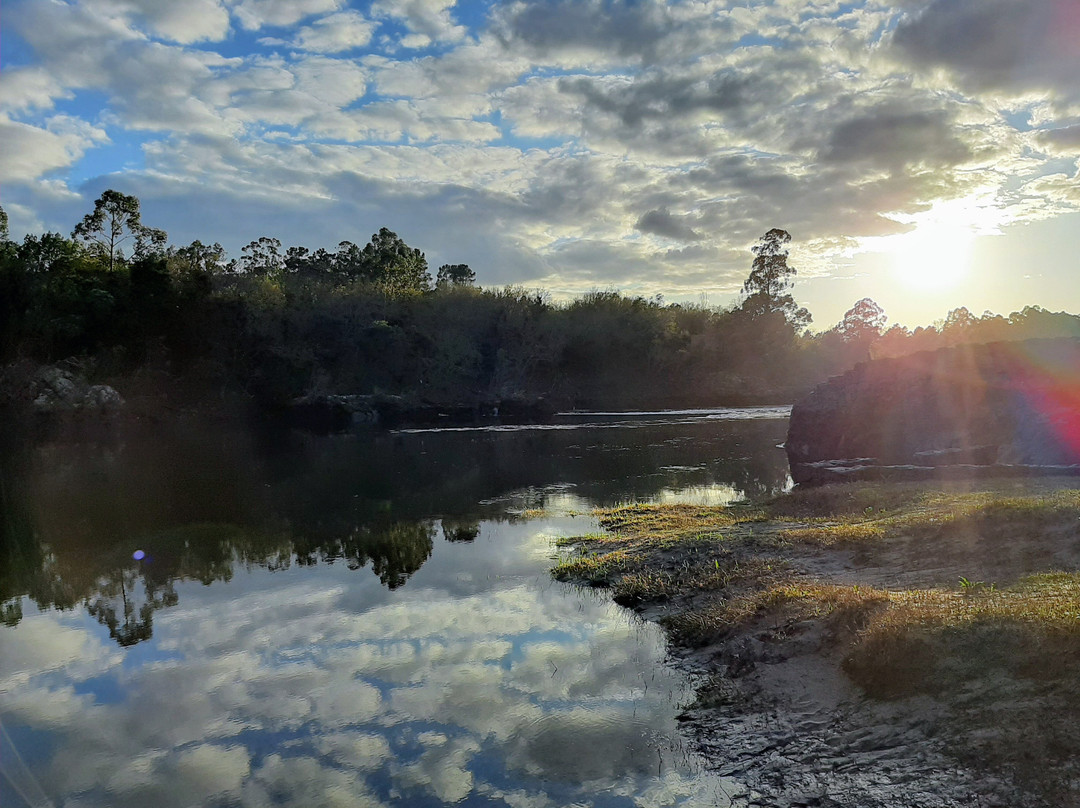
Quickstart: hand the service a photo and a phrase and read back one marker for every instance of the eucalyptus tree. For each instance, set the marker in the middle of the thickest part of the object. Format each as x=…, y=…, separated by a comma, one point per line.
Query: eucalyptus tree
x=116, y=218
x=766, y=288
x=454, y=275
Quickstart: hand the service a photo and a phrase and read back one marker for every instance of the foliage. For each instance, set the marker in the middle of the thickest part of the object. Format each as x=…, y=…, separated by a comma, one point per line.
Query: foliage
x=770, y=274
x=281, y=321
x=116, y=218
x=863, y=322
x=454, y=275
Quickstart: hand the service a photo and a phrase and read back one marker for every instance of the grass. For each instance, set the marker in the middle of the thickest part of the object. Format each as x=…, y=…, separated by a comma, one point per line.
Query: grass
x=851, y=514
x=993, y=635
x=829, y=535
x=594, y=569
x=660, y=524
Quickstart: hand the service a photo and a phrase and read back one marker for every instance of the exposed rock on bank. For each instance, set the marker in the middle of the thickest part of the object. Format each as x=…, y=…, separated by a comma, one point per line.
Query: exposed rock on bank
x=56, y=390
x=970, y=410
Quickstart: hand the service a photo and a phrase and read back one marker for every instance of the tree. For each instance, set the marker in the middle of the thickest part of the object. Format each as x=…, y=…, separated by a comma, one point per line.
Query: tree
x=5, y=233
x=262, y=258
x=393, y=264
x=770, y=274
x=454, y=275
x=863, y=321
x=115, y=219
x=769, y=279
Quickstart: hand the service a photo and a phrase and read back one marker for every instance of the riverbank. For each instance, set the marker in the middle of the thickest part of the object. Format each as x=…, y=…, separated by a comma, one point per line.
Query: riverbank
x=868, y=644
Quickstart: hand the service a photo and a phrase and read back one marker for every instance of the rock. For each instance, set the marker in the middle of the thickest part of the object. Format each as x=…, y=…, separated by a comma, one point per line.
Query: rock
x=56, y=390
x=102, y=397
x=969, y=407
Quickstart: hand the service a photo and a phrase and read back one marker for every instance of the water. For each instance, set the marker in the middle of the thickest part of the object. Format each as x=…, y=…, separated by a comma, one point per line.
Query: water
x=352, y=620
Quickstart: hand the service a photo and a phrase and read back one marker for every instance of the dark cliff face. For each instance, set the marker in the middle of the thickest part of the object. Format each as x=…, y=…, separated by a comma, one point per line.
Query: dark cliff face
x=1006, y=403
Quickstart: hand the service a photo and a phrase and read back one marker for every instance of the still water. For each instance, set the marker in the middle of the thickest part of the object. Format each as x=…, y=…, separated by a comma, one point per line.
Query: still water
x=198, y=617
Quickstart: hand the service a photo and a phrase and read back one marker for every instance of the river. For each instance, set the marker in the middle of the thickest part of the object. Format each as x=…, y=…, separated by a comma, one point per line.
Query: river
x=211, y=617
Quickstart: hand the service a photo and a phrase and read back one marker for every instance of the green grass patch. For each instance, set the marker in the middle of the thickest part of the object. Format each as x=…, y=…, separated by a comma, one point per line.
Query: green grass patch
x=588, y=538
x=834, y=534
x=595, y=569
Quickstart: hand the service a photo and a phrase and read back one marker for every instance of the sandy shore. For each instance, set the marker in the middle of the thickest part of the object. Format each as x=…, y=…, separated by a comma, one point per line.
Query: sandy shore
x=868, y=644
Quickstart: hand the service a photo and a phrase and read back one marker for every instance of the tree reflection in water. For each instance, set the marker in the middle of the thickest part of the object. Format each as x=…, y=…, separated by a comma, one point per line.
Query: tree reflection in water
x=199, y=502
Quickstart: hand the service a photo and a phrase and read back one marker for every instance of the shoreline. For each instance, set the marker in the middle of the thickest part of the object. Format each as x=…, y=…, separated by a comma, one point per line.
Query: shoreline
x=867, y=644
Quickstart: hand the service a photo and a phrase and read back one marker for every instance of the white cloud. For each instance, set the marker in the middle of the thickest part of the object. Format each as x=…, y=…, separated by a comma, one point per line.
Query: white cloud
x=30, y=152
x=28, y=88
x=428, y=20
x=209, y=770
x=303, y=782
x=344, y=31
x=184, y=22
x=563, y=120
x=442, y=769
x=257, y=14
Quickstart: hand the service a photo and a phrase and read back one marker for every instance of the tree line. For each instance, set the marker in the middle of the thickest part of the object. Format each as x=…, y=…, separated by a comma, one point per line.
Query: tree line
x=278, y=323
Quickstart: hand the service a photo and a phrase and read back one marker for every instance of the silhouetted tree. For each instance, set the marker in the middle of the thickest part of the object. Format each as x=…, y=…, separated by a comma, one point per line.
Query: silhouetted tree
x=115, y=219
x=262, y=258
x=863, y=322
x=394, y=265
x=454, y=275
x=770, y=278
x=770, y=274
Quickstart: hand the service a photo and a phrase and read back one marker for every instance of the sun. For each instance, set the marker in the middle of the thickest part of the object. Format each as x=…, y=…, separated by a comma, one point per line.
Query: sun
x=935, y=255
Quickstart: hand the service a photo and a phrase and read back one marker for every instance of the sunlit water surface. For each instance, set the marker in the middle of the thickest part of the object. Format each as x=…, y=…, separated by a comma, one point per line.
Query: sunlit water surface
x=354, y=620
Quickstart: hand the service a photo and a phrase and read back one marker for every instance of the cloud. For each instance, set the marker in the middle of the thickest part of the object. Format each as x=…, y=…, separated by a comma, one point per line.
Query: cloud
x=1066, y=139
x=442, y=769
x=892, y=137
x=255, y=15
x=592, y=30
x=304, y=782
x=660, y=222
x=1013, y=45
x=429, y=21
x=664, y=96
x=186, y=22
x=344, y=31
x=29, y=88
x=30, y=151
x=549, y=121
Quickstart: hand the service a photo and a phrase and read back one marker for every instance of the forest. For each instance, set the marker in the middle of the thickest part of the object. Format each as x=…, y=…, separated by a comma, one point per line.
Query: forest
x=191, y=328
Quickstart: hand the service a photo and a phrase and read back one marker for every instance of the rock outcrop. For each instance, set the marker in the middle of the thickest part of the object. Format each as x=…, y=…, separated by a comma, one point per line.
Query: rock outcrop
x=56, y=389
x=1004, y=406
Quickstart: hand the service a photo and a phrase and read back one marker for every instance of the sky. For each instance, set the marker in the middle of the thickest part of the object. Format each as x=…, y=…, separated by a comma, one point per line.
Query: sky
x=923, y=153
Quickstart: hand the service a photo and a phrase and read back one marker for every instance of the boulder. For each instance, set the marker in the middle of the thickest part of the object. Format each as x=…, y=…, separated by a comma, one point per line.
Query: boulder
x=55, y=390
x=1003, y=404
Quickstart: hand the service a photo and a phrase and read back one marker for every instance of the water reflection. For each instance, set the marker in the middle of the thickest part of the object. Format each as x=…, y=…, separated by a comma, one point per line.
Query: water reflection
x=314, y=687
x=197, y=502
x=246, y=658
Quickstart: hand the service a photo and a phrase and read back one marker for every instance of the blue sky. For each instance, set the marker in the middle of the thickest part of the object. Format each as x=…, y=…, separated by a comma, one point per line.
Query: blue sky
x=920, y=152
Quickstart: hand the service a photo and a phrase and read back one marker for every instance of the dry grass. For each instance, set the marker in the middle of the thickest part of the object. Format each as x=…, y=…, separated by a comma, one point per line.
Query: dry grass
x=934, y=639
x=594, y=569
x=688, y=579
x=666, y=523
x=1004, y=661
x=780, y=600
x=861, y=512
x=829, y=535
